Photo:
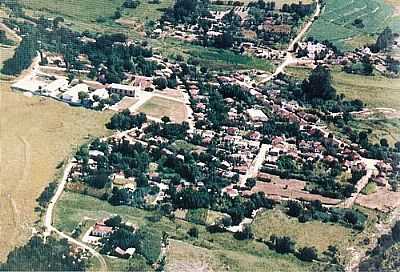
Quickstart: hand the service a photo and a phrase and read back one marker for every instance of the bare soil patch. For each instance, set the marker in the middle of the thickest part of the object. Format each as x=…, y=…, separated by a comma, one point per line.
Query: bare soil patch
x=383, y=200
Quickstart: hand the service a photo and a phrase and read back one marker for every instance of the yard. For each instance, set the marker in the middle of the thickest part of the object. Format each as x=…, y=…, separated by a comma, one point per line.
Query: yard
x=36, y=135
x=336, y=22
x=158, y=107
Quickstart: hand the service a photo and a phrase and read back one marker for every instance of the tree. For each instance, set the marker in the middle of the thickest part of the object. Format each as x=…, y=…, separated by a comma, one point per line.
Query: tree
x=396, y=231
x=251, y=182
x=295, y=208
x=319, y=84
x=308, y=254
x=36, y=255
x=384, y=40
x=160, y=83
x=83, y=95
x=165, y=119
x=193, y=232
x=142, y=181
x=114, y=221
x=224, y=41
x=286, y=162
x=282, y=245
x=245, y=233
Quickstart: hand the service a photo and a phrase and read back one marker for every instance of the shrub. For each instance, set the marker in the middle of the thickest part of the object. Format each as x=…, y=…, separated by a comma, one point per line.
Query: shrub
x=307, y=254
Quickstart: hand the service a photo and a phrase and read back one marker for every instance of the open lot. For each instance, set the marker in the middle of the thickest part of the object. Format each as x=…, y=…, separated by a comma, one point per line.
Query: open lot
x=36, y=134
x=158, y=107
x=335, y=23
x=82, y=14
x=312, y=233
x=289, y=188
x=382, y=200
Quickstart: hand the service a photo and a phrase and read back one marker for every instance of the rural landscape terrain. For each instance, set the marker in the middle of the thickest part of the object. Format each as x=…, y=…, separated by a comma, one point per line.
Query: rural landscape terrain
x=200, y=135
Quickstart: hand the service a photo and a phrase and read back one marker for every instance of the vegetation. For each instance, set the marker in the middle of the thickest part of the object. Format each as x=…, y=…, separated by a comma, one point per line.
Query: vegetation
x=54, y=255
x=125, y=120
x=336, y=23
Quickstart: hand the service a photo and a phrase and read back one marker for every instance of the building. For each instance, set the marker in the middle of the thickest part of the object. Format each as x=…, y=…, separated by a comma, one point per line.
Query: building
x=256, y=115
x=125, y=90
x=72, y=95
x=55, y=87
x=101, y=230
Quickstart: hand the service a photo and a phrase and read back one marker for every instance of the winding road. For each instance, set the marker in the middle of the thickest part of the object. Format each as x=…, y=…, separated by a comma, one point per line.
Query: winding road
x=48, y=220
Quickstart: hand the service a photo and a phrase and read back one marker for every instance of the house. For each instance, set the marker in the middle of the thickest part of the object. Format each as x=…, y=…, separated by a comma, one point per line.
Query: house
x=101, y=230
x=257, y=115
x=125, y=90
x=72, y=95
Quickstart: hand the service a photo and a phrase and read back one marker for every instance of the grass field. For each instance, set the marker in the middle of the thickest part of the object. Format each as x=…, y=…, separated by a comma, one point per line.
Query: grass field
x=36, y=135
x=158, y=107
x=218, y=251
x=375, y=91
x=335, y=23
x=313, y=233
x=82, y=14
x=212, y=58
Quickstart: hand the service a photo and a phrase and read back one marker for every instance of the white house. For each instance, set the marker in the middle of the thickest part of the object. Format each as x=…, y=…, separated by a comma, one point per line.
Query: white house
x=101, y=93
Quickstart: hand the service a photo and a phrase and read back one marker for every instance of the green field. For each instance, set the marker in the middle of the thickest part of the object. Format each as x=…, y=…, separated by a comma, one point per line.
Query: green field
x=312, y=233
x=81, y=14
x=375, y=91
x=223, y=249
x=212, y=58
x=335, y=23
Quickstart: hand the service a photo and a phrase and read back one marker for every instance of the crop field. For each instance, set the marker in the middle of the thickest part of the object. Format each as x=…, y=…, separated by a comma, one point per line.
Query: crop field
x=82, y=14
x=216, y=251
x=158, y=107
x=336, y=22
x=36, y=134
x=313, y=233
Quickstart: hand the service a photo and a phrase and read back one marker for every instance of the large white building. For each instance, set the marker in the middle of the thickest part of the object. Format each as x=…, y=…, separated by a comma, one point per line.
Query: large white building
x=54, y=88
x=125, y=90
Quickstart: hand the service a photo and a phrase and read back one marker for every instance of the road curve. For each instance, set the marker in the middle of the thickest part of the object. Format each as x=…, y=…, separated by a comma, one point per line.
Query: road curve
x=48, y=220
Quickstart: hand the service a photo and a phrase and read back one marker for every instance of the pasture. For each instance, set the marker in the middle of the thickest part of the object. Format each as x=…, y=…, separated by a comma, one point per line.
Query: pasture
x=36, y=134
x=336, y=22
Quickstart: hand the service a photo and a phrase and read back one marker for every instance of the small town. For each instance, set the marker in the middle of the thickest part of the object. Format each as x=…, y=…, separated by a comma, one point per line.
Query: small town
x=229, y=139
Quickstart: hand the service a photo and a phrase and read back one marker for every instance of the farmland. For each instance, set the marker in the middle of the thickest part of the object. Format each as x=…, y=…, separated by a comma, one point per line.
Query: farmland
x=335, y=23
x=158, y=107
x=36, y=135
x=82, y=15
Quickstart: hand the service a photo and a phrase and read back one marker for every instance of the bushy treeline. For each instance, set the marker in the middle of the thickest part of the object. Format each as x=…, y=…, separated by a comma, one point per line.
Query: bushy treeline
x=23, y=56
x=36, y=255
